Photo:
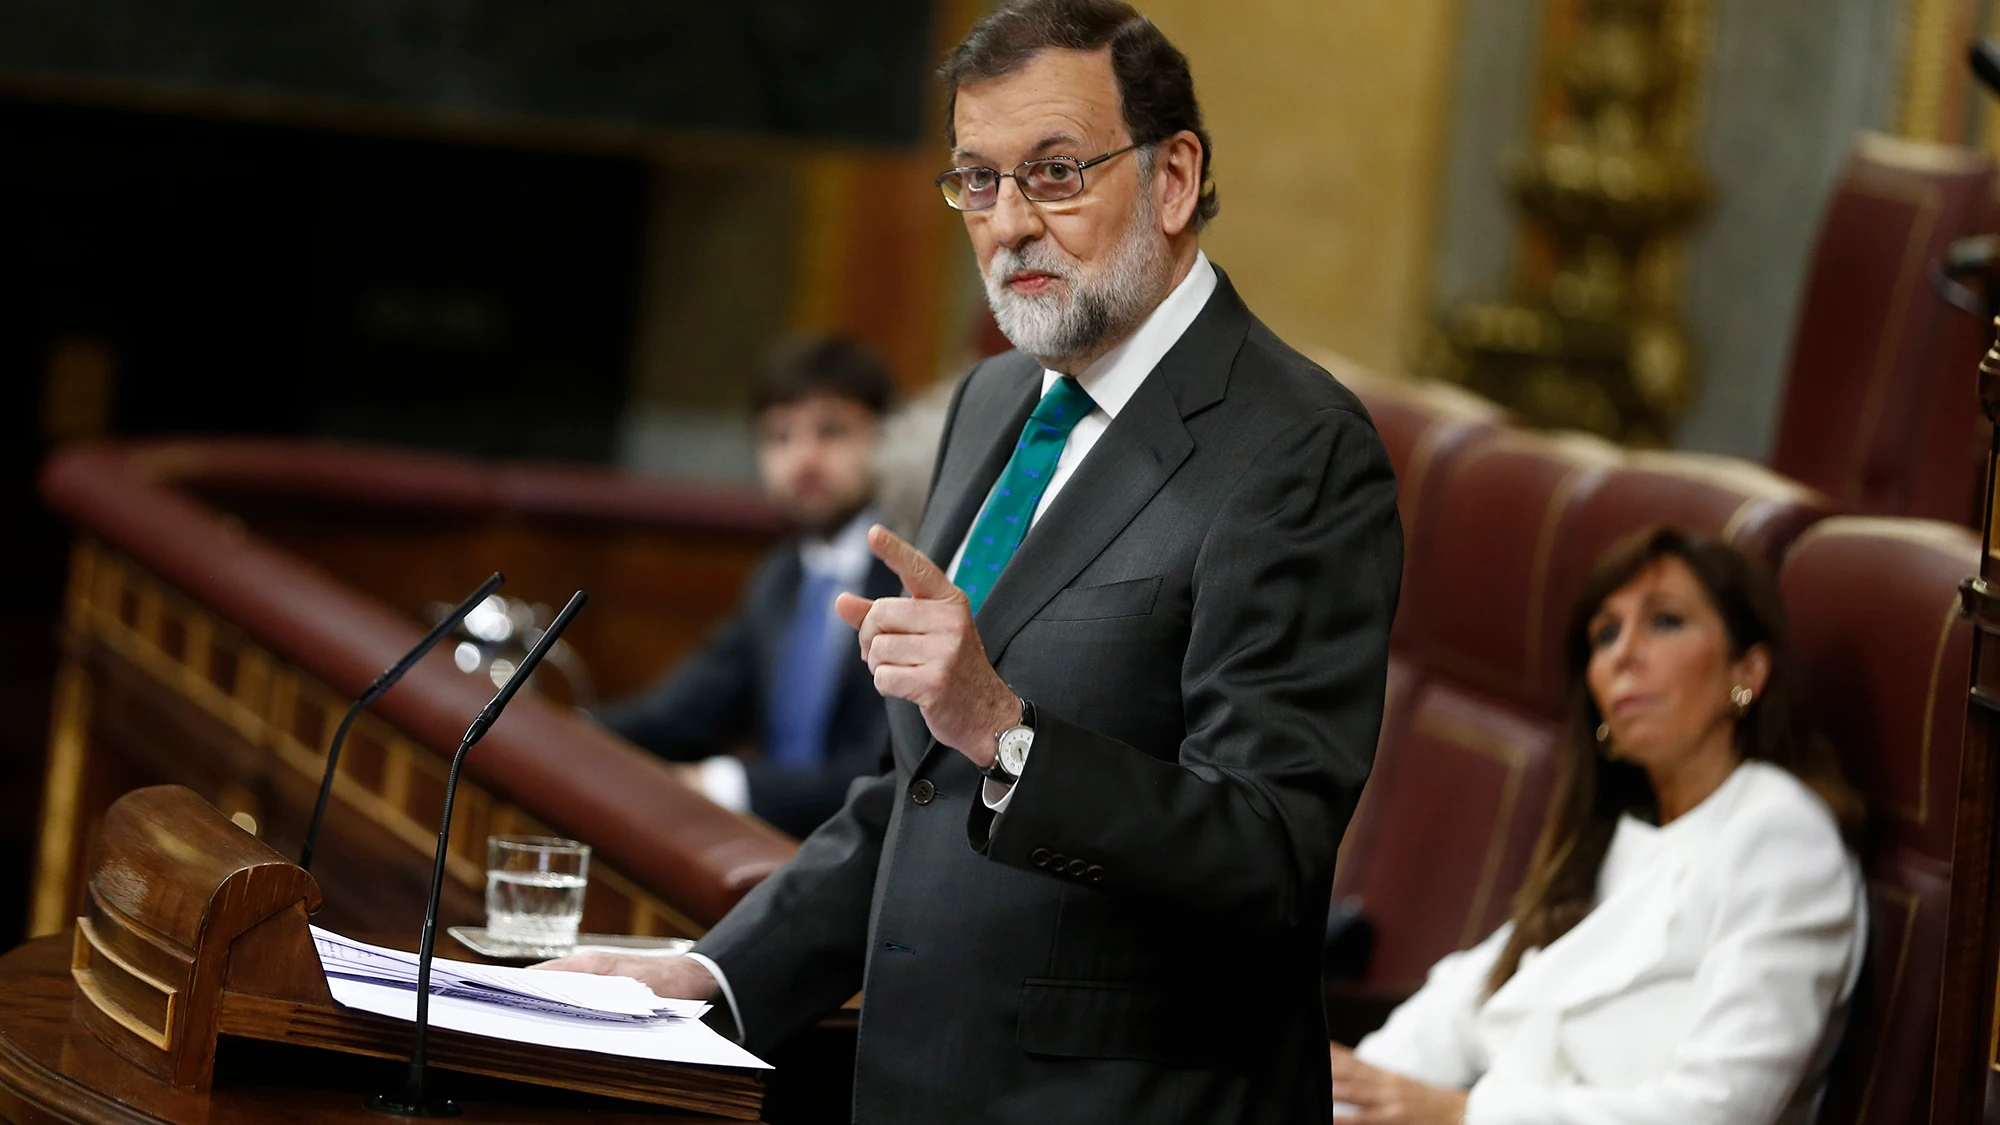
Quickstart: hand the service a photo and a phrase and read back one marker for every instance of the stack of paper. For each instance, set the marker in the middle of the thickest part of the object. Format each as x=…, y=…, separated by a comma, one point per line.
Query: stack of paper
x=610, y=1015
x=577, y=995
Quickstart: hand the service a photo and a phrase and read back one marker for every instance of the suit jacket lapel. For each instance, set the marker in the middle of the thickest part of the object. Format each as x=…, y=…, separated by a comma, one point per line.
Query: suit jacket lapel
x=881, y=581
x=965, y=478
x=1140, y=450
x=1127, y=466
x=981, y=438
x=1627, y=936
x=775, y=602
x=1619, y=941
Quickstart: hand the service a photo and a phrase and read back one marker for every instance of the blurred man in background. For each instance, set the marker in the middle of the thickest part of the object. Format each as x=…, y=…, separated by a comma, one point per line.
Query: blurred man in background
x=783, y=674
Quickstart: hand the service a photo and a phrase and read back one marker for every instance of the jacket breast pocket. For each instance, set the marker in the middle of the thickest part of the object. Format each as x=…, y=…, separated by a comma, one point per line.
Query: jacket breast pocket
x=1132, y=598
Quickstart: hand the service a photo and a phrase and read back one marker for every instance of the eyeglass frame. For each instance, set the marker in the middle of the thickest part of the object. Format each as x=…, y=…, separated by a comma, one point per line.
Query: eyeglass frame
x=1080, y=165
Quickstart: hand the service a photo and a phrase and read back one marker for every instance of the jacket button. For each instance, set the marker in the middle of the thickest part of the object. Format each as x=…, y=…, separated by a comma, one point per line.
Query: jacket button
x=1056, y=861
x=1095, y=874
x=922, y=791
x=1039, y=857
x=1077, y=867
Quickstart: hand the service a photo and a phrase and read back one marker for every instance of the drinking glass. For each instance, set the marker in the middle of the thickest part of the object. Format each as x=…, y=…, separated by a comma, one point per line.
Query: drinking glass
x=534, y=892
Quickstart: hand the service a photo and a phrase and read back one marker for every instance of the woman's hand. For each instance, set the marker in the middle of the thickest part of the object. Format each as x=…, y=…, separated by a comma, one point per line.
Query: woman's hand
x=1386, y=1098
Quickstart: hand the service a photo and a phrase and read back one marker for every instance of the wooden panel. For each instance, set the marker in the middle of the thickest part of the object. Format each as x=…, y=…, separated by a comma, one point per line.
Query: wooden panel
x=720, y=1092
x=246, y=731
x=53, y=1070
x=655, y=594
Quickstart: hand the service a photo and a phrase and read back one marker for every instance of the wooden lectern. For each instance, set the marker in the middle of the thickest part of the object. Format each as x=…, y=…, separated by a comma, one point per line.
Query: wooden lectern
x=193, y=929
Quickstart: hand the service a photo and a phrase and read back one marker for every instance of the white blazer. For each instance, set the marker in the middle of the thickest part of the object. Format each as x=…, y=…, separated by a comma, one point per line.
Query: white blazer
x=1708, y=986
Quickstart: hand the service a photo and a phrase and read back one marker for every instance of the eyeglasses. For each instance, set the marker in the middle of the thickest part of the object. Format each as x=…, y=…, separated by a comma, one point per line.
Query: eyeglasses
x=1050, y=179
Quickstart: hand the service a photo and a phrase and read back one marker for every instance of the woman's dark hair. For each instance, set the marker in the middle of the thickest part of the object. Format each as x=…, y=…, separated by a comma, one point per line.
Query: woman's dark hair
x=823, y=365
x=1155, y=87
x=1593, y=791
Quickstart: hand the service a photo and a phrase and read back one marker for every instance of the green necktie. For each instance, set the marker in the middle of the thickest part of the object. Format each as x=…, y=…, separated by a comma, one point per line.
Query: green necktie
x=998, y=531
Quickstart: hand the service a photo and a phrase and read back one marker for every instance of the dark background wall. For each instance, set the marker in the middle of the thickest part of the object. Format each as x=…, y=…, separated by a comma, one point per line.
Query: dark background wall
x=802, y=68
x=250, y=277
x=425, y=222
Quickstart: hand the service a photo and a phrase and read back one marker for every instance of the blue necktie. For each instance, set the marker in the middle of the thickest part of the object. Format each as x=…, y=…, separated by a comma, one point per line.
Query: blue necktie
x=998, y=532
x=802, y=688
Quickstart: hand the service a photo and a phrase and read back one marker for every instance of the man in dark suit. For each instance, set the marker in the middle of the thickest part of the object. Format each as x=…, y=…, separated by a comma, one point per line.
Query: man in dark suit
x=1136, y=679
x=783, y=675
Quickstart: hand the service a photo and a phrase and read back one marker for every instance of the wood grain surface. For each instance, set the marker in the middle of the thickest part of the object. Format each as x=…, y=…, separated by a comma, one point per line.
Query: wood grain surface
x=52, y=1070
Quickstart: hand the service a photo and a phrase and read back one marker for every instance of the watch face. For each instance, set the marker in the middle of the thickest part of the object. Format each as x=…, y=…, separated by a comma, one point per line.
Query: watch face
x=1014, y=749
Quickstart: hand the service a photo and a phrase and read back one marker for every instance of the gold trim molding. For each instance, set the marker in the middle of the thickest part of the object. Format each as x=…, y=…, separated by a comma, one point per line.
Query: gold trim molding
x=1930, y=95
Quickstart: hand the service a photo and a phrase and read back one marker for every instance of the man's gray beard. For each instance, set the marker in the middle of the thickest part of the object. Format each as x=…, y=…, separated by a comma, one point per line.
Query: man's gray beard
x=1085, y=312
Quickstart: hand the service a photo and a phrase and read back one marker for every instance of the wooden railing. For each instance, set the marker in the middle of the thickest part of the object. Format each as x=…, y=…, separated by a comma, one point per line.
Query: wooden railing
x=196, y=652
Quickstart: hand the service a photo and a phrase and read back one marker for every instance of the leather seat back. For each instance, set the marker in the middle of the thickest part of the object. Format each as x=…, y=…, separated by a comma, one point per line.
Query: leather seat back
x=1886, y=660
x=1508, y=530
x=1879, y=410
x=1425, y=425
x=1462, y=773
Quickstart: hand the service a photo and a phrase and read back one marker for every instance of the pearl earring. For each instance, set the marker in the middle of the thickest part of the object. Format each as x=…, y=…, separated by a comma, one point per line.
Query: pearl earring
x=1740, y=698
x=1604, y=732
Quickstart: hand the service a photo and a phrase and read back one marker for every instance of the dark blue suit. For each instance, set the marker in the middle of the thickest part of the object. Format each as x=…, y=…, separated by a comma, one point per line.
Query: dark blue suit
x=716, y=702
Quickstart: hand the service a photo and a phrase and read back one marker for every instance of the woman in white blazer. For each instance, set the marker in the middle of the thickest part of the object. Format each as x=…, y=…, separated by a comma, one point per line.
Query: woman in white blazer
x=1692, y=926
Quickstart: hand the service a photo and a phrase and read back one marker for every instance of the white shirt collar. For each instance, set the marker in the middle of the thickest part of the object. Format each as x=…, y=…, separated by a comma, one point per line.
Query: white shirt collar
x=1115, y=377
x=845, y=556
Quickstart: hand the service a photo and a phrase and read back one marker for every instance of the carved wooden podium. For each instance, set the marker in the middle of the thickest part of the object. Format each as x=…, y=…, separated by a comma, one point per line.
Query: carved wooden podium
x=192, y=929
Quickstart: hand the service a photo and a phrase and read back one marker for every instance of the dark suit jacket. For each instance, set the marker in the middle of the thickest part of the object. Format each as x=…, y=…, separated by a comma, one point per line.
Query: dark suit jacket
x=1202, y=618
x=715, y=702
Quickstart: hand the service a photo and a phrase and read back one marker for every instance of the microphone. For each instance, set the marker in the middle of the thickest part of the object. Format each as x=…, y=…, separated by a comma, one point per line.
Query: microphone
x=414, y=1099
x=383, y=683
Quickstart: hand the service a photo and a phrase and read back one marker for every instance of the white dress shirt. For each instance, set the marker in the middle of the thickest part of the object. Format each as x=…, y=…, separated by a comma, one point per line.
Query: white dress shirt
x=846, y=559
x=1709, y=983
x=1111, y=382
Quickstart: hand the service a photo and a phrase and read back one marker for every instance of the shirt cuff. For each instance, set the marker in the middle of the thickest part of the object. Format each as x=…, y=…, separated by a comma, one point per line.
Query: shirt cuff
x=728, y=996
x=1005, y=794
x=725, y=781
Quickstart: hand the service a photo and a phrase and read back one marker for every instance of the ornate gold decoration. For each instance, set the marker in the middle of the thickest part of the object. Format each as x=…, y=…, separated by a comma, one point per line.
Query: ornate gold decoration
x=52, y=905
x=1593, y=339
x=1933, y=83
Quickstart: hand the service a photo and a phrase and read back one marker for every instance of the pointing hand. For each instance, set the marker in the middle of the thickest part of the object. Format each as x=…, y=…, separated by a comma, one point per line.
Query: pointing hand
x=925, y=648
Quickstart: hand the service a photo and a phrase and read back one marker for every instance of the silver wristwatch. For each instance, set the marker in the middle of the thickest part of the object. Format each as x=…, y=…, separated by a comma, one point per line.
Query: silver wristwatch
x=1013, y=744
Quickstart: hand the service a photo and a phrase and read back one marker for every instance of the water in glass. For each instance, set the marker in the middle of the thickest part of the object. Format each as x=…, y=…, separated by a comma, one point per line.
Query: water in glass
x=534, y=892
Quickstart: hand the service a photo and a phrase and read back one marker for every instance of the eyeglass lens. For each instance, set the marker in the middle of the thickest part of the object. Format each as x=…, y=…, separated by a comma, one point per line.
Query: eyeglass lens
x=1042, y=181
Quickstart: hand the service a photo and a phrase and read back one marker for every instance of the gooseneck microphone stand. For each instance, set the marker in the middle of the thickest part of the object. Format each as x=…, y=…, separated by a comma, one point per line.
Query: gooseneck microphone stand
x=375, y=691
x=414, y=1099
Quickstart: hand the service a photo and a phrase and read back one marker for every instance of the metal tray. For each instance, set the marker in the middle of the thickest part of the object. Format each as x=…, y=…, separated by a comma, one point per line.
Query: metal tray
x=475, y=939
